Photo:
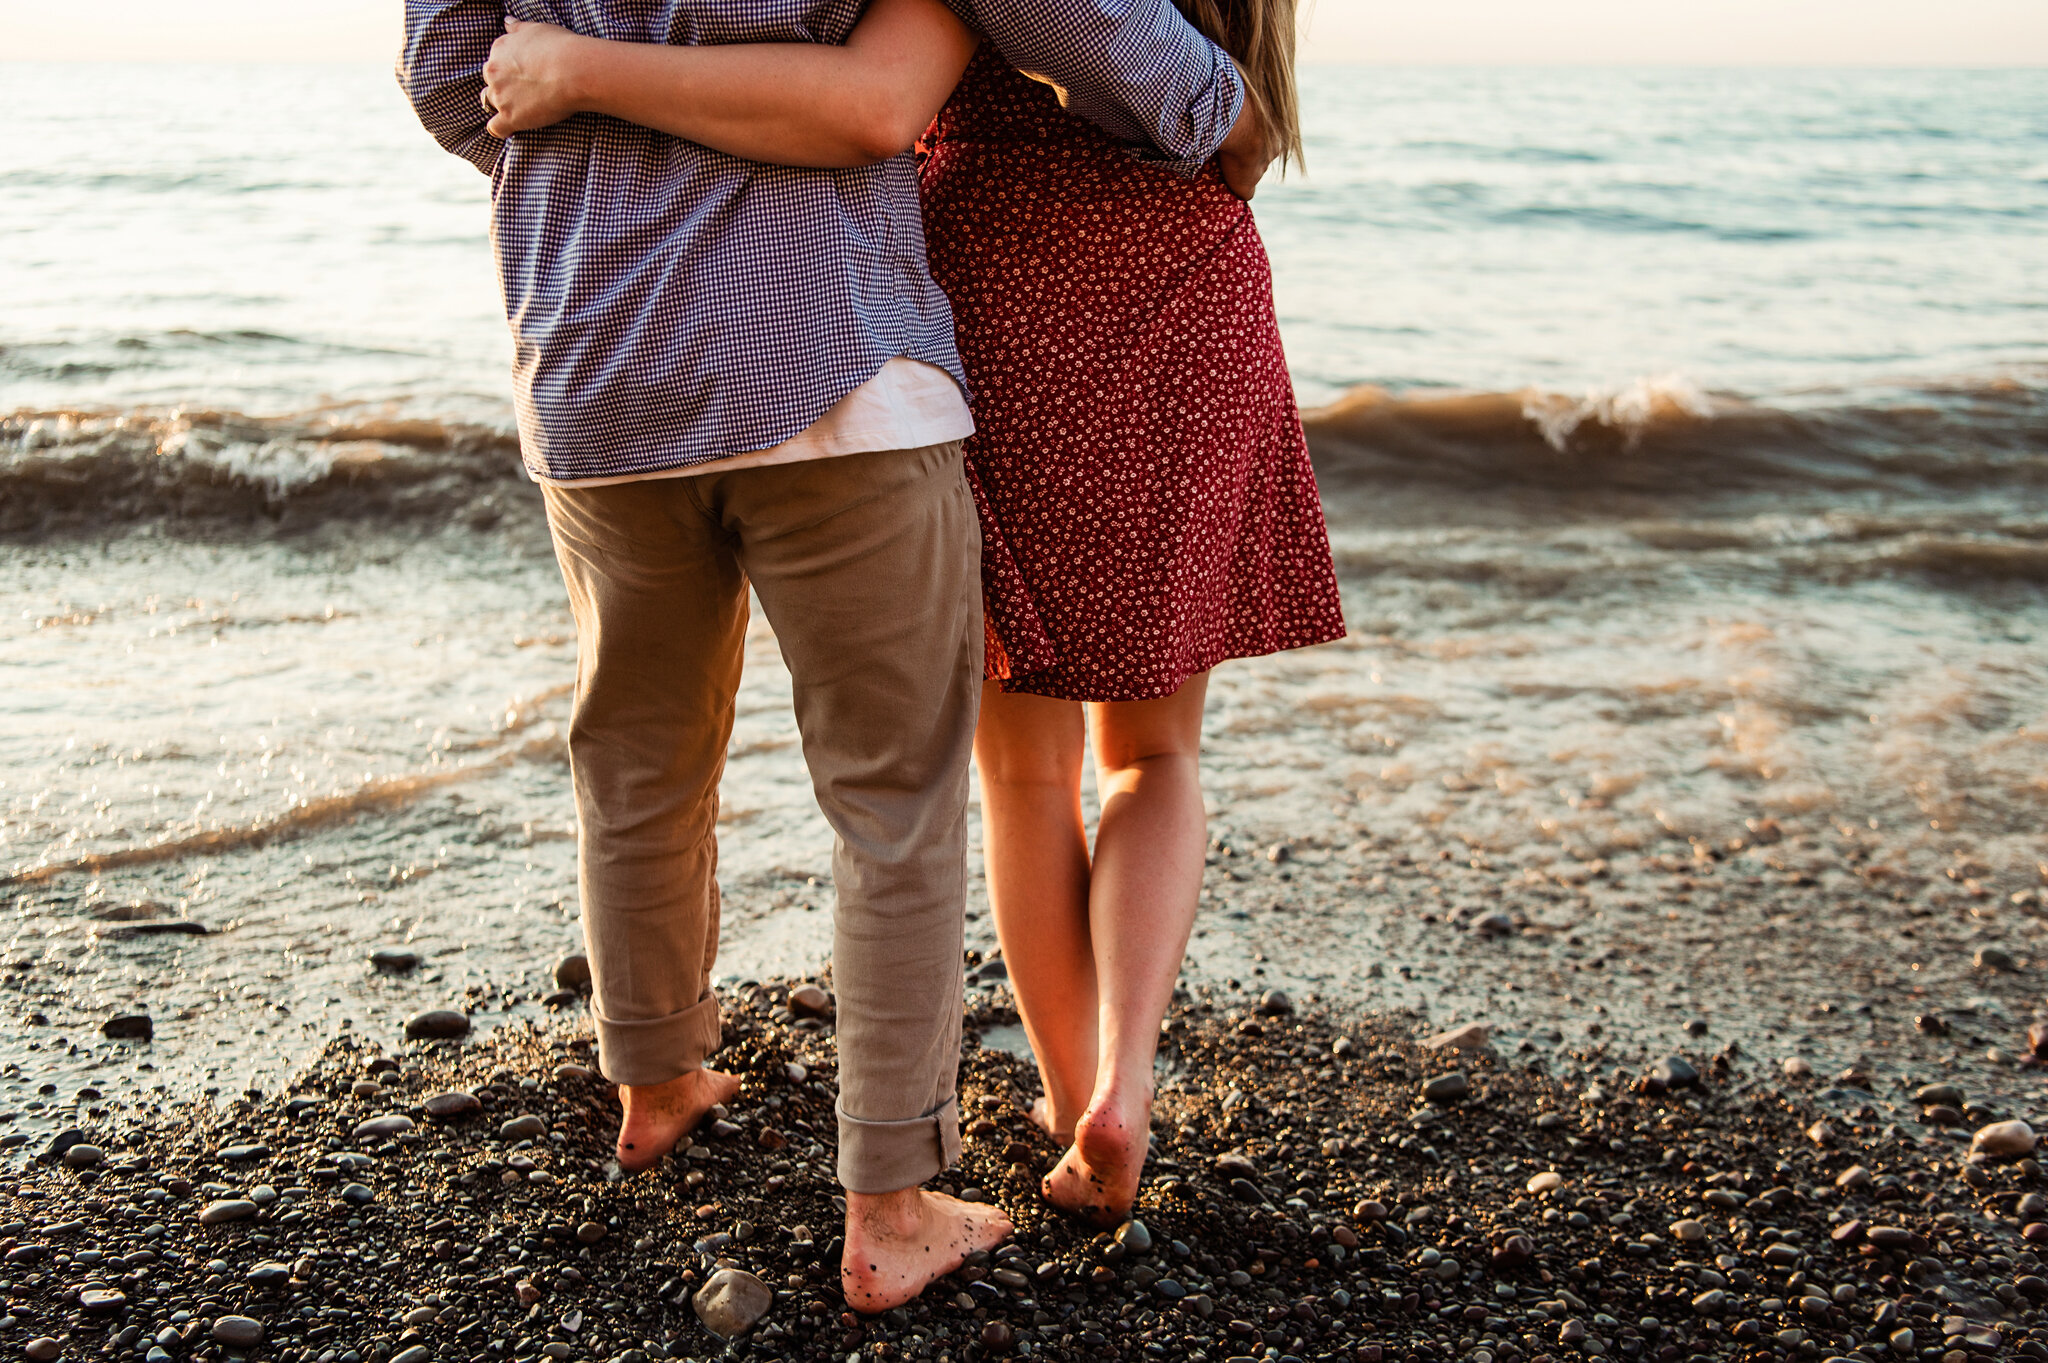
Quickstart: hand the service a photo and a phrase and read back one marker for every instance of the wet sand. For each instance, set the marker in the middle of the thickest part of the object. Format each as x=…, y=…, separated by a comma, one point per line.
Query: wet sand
x=1323, y=1187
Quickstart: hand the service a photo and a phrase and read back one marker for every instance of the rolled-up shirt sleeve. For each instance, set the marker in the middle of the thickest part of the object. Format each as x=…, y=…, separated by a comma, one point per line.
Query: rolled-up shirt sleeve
x=1137, y=69
x=441, y=68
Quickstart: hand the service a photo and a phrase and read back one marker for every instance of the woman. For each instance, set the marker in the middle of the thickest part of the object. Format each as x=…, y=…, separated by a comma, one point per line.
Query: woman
x=1148, y=506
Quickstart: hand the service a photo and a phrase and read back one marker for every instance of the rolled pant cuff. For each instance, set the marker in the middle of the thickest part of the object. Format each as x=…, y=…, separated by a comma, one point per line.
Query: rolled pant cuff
x=886, y=1157
x=655, y=1050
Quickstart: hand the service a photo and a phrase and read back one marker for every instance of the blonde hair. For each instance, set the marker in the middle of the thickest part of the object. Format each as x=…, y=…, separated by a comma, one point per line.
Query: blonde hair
x=1260, y=34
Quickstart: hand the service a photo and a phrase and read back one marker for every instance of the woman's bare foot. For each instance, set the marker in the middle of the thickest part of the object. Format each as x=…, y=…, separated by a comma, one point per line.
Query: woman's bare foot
x=898, y=1244
x=659, y=1115
x=1042, y=1118
x=1097, y=1179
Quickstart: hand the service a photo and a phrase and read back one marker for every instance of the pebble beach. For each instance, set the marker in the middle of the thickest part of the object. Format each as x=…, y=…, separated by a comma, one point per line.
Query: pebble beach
x=1323, y=1187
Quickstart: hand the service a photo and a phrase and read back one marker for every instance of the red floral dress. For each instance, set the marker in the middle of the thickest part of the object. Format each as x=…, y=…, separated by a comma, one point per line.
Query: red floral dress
x=1148, y=508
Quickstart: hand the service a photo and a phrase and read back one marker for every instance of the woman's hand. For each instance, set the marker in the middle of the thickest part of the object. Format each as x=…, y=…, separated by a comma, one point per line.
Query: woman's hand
x=528, y=82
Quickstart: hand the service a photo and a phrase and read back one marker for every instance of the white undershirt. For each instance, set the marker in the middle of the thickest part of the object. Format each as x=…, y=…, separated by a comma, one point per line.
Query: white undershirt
x=907, y=405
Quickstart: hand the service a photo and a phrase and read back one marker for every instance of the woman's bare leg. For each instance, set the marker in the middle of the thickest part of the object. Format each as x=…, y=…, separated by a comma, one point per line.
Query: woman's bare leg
x=1029, y=751
x=1146, y=883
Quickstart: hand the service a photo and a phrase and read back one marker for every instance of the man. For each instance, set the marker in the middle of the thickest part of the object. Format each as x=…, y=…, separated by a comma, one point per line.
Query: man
x=732, y=373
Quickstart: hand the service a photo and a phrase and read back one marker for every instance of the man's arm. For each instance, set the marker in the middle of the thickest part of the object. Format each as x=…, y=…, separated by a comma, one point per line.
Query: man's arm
x=447, y=43
x=1135, y=68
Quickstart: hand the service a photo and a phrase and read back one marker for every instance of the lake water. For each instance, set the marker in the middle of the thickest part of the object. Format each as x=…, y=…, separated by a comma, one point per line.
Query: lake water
x=1684, y=433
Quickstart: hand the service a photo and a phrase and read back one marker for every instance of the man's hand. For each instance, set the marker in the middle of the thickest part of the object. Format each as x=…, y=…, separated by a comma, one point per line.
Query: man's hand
x=528, y=82
x=1246, y=152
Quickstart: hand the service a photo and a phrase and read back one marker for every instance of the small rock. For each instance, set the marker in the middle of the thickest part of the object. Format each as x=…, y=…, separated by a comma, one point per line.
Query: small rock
x=1470, y=1037
x=573, y=972
x=997, y=1336
x=379, y=1127
x=590, y=1232
x=269, y=1273
x=418, y=1353
x=1546, y=1183
x=1991, y=958
x=437, y=1024
x=1275, y=1004
x=225, y=1210
x=1690, y=1231
x=237, y=1332
x=573, y=1072
x=1513, y=1252
x=2037, y=1040
x=1233, y=1166
x=446, y=1107
x=97, y=1299
x=2003, y=1140
x=394, y=960
x=243, y=1154
x=524, y=1127
x=1853, y=1178
x=808, y=1001
x=359, y=1194
x=1939, y=1095
x=1711, y=1302
x=732, y=1301
x=1796, y=1068
x=1133, y=1236
x=1889, y=1237
x=1672, y=1072
x=129, y=1027
x=83, y=1156
x=42, y=1349
x=1494, y=925
x=1446, y=1088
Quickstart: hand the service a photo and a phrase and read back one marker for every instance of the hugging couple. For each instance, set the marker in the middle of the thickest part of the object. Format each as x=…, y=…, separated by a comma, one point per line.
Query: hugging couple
x=744, y=356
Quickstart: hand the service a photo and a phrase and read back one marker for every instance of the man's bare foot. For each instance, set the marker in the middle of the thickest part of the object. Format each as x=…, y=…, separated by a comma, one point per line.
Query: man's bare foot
x=659, y=1115
x=1097, y=1179
x=898, y=1244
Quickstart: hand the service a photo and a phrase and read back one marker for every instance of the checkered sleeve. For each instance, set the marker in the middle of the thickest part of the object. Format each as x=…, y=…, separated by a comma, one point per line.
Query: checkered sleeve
x=1135, y=68
x=441, y=67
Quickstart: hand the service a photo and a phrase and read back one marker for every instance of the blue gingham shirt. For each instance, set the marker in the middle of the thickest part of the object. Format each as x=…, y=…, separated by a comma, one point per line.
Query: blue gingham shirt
x=671, y=304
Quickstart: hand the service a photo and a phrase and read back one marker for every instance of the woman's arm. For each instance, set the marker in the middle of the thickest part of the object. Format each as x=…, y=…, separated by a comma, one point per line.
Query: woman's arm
x=794, y=104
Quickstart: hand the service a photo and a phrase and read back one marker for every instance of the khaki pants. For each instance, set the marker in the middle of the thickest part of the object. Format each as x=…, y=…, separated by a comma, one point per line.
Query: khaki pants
x=868, y=568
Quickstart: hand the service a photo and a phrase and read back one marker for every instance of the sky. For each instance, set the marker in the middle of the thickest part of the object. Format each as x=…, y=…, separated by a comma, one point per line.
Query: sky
x=1628, y=32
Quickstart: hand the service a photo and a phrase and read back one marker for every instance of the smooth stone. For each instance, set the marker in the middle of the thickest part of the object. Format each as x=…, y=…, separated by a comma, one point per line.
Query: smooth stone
x=573, y=972
x=571, y=1071
x=1711, y=1302
x=1991, y=958
x=101, y=1299
x=1275, y=1004
x=1853, y=1178
x=1548, y=1182
x=998, y=1336
x=387, y=1124
x=42, y=1349
x=1889, y=1237
x=2003, y=1140
x=809, y=1001
x=1796, y=1068
x=590, y=1232
x=437, y=1024
x=444, y=1107
x=237, y=1332
x=83, y=1156
x=1494, y=925
x=524, y=1127
x=1690, y=1231
x=418, y=1353
x=1133, y=1236
x=1447, y=1088
x=1234, y=1166
x=269, y=1273
x=1939, y=1095
x=1472, y=1036
x=394, y=960
x=129, y=1027
x=1674, y=1073
x=225, y=1210
x=358, y=1193
x=731, y=1302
